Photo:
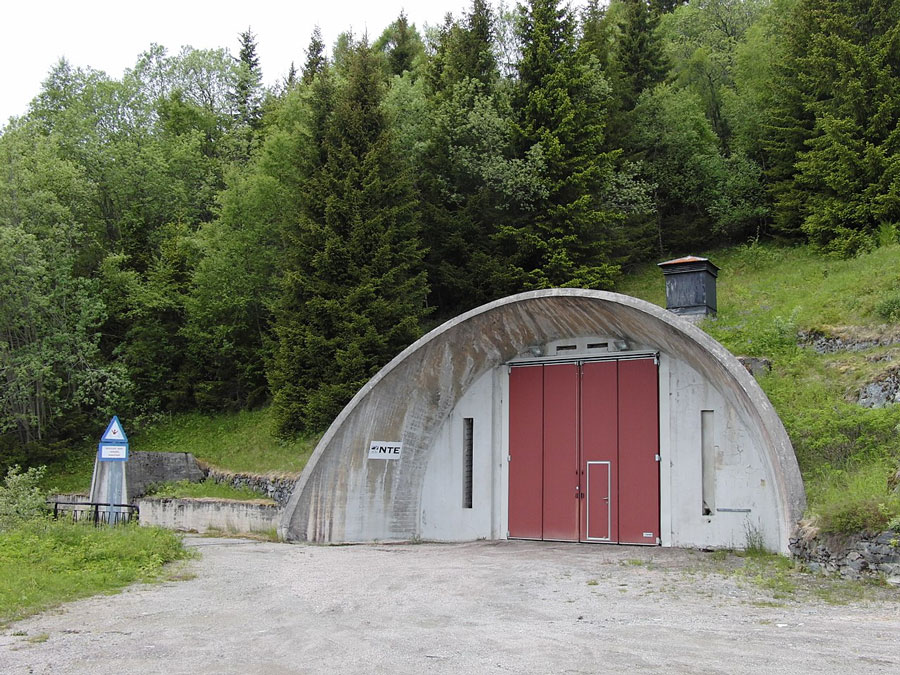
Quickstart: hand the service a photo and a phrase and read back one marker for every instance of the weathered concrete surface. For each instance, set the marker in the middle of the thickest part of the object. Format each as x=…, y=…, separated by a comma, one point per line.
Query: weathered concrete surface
x=143, y=469
x=341, y=497
x=203, y=515
x=483, y=607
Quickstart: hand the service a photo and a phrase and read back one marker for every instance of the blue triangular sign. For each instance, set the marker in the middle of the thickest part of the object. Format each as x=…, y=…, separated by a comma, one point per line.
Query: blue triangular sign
x=114, y=432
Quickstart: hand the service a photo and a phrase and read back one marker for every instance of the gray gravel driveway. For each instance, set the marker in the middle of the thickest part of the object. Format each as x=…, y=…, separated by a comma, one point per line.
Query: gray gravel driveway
x=481, y=607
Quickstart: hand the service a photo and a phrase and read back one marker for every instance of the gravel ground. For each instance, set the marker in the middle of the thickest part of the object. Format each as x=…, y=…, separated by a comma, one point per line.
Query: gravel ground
x=482, y=607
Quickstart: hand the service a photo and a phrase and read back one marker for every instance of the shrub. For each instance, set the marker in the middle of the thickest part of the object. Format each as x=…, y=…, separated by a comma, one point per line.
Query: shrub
x=889, y=308
x=21, y=499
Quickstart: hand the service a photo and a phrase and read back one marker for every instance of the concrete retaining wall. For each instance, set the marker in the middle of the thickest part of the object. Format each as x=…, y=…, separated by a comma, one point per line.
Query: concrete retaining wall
x=203, y=515
x=143, y=469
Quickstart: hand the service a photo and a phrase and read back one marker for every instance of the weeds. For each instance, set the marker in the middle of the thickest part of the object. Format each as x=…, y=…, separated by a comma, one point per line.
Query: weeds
x=207, y=489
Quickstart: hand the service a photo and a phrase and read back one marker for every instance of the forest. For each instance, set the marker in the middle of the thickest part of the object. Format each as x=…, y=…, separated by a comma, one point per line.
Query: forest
x=184, y=238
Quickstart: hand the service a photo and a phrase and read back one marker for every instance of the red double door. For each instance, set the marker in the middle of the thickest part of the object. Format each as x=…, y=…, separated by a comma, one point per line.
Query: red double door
x=583, y=446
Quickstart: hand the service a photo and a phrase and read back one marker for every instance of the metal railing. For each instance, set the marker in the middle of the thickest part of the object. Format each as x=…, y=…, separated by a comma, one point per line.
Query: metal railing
x=96, y=512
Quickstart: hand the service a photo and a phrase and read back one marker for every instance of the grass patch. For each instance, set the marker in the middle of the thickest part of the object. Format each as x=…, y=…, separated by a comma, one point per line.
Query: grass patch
x=207, y=489
x=766, y=295
x=241, y=442
x=44, y=563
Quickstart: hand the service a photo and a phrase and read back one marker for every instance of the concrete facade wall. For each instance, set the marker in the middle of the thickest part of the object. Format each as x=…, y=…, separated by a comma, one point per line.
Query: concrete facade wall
x=458, y=371
x=202, y=515
x=443, y=515
x=744, y=500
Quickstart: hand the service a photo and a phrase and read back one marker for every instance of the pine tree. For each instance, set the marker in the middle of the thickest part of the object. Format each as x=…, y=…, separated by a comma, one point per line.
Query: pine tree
x=639, y=52
x=354, y=288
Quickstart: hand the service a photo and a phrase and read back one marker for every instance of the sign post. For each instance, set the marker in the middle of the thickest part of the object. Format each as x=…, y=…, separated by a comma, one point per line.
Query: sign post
x=108, y=485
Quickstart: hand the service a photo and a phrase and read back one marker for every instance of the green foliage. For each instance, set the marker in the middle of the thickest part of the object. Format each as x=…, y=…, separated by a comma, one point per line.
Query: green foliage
x=45, y=562
x=21, y=498
x=242, y=442
x=208, y=489
x=855, y=498
x=402, y=46
x=51, y=365
x=559, y=105
x=834, y=122
x=889, y=308
x=354, y=287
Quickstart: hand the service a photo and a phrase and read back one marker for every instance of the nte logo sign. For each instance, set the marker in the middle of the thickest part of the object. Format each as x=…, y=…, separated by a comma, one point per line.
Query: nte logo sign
x=385, y=449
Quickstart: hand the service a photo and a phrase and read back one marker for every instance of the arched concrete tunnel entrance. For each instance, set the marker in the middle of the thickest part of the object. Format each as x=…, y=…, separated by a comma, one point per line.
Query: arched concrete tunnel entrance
x=611, y=418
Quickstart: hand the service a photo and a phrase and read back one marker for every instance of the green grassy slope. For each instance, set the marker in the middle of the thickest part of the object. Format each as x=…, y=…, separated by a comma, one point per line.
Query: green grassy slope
x=240, y=442
x=767, y=294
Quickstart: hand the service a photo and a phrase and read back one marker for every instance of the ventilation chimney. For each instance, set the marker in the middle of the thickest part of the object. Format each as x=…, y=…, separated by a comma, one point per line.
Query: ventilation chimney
x=690, y=287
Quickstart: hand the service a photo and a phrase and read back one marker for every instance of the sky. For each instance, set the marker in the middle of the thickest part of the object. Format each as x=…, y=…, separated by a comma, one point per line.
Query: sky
x=108, y=35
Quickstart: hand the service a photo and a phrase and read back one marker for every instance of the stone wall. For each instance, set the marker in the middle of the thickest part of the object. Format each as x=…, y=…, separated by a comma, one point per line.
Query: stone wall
x=852, y=556
x=203, y=515
x=277, y=488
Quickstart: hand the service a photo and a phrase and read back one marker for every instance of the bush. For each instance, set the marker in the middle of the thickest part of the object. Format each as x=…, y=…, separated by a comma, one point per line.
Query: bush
x=889, y=308
x=855, y=497
x=21, y=500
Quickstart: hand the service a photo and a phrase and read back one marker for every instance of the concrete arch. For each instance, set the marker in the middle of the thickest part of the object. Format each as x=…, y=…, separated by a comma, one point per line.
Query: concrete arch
x=343, y=497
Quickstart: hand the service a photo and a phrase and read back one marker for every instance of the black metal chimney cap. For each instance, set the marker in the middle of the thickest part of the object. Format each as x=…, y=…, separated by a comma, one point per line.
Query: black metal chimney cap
x=690, y=263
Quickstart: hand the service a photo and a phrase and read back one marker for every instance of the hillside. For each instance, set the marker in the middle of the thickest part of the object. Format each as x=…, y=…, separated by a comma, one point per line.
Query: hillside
x=783, y=304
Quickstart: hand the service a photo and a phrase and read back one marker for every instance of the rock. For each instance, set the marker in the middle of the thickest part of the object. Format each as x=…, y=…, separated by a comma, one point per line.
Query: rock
x=852, y=556
x=756, y=365
x=893, y=581
x=847, y=339
x=882, y=392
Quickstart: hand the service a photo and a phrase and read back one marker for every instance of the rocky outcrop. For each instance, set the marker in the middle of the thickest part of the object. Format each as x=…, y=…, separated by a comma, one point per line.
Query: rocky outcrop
x=276, y=487
x=848, y=339
x=851, y=556
x=756, y=365
x=883, y=391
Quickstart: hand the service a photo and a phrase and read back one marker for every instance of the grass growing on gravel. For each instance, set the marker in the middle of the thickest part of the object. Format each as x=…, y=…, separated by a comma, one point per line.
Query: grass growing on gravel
x=44, y=562
x=209, y=489
x=784, y=581
x=766, y=295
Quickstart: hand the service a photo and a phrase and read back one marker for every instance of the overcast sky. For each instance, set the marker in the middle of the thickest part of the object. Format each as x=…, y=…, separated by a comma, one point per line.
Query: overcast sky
x=108, y=35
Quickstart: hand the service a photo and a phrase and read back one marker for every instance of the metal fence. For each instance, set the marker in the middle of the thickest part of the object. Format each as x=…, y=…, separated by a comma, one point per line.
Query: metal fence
x=95, y=512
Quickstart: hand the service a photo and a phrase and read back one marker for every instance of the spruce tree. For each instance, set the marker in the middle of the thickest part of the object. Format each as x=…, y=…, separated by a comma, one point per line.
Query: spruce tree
x=560, y=106
x=247, y=91
x=640, y=57
x=353, y=290
x=315, y=56
x=833, y=149
x=401, y=45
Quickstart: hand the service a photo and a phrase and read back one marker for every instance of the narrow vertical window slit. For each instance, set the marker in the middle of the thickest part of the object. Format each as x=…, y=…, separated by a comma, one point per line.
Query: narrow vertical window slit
x=467, y=462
